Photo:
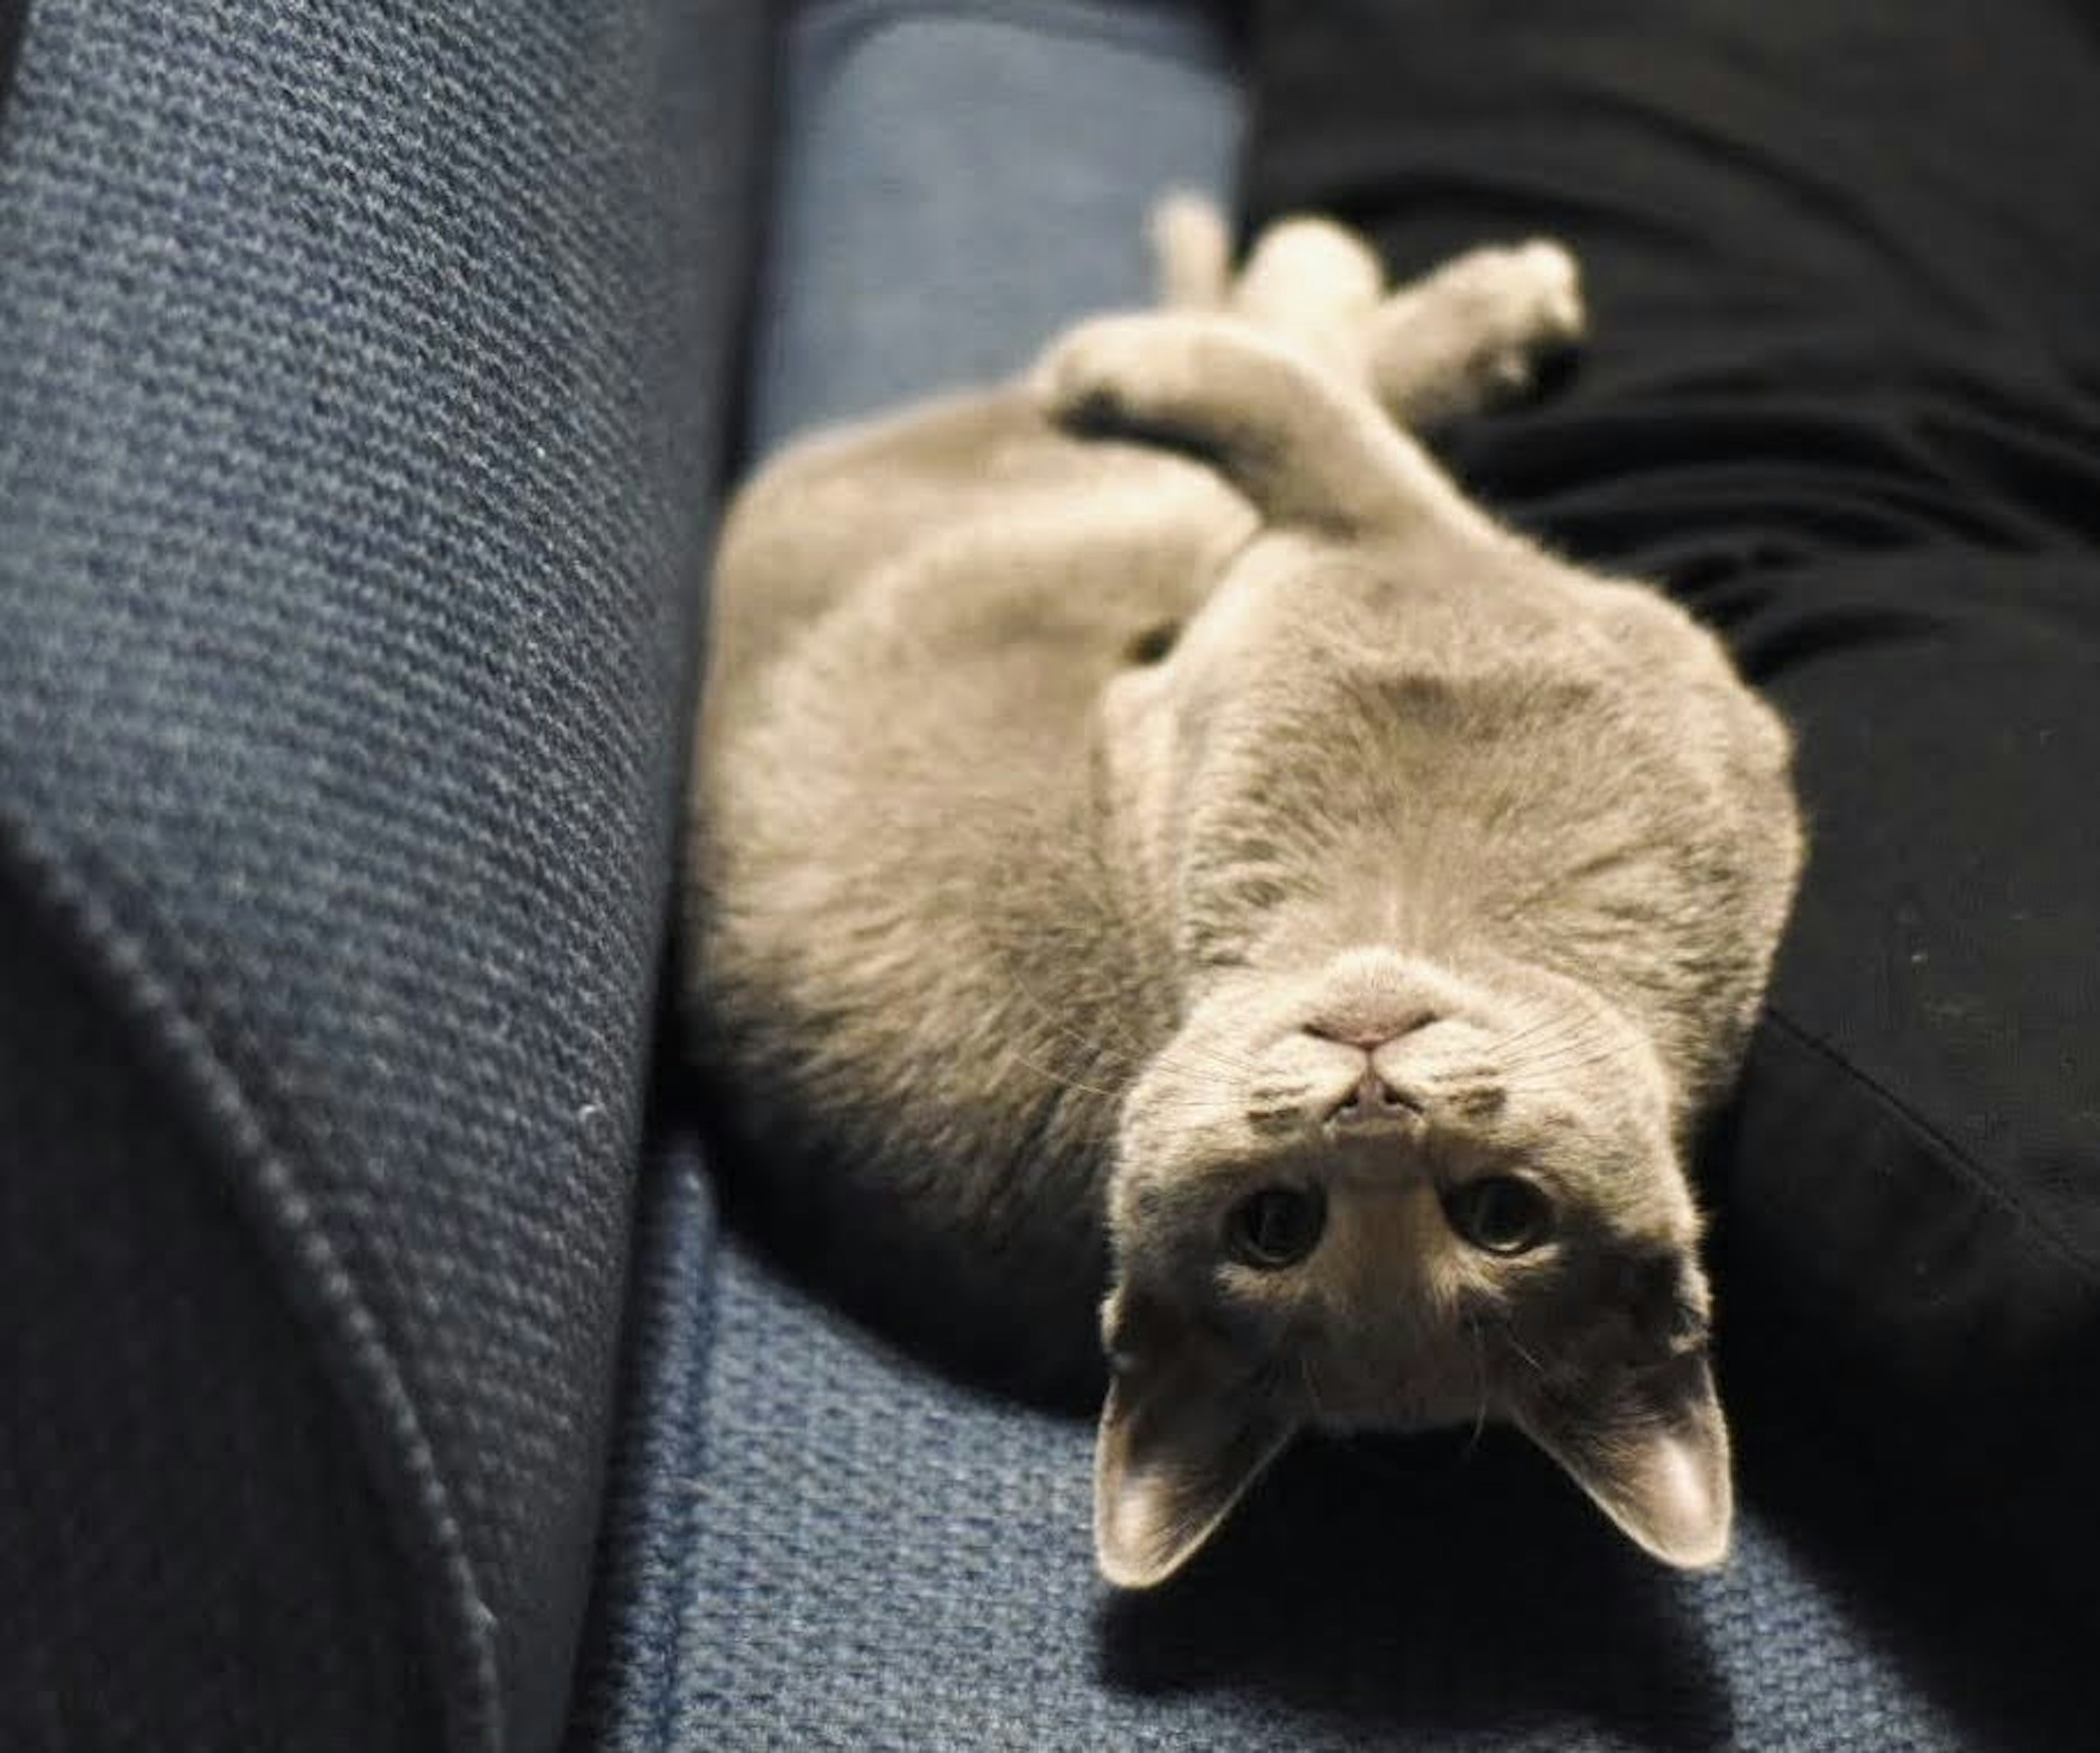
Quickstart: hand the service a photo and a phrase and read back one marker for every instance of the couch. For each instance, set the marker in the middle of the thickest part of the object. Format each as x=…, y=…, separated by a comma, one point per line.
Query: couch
x=379, y=1369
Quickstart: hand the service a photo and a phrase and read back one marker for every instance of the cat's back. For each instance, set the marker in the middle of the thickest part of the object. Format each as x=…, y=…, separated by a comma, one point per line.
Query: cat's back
x=897, y=893
x=911, y=622
x=894, y=507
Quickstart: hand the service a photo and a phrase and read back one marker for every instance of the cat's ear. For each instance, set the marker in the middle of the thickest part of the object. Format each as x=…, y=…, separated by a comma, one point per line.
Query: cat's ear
x=1181, y=1439
x=1650, y=1448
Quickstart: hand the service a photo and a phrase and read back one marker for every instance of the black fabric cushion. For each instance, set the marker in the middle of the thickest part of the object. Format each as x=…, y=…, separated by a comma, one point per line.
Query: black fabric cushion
x=360, y=375
x=1844, y=402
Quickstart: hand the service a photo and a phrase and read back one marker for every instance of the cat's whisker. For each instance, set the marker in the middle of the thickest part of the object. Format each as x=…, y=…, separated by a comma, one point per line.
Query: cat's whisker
x=1546, y=1035
x=1223, y=1057
x=1122, y=1049
x=1517, y=1345
x=1112, y=1061
x=1134, y=1053
x=1541, y=1051
x=1480, y=1383
x=1312, y=1390
x=1567, y=1053
x=1567, y=1047
x=1095, y=1053
x=1218, y=1099
x=1240, y=1069
x=1550, y=1021
x=1059, y=1077
x=1050, y=1017
x=1564, y=1064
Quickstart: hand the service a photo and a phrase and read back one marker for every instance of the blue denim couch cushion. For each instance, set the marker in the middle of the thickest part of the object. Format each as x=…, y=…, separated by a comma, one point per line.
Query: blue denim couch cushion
x=359, y=372
x=930, y=148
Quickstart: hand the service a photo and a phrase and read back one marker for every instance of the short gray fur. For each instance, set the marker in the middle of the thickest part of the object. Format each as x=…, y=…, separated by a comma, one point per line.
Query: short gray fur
x=1080, y=823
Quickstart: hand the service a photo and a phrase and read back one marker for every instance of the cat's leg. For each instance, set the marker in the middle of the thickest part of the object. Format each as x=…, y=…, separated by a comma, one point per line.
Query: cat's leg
x=1307, y=447
x=1309, y=282
x=1465, y=336
x=1472, y=332
x=1192, y=253
x=1316, y=285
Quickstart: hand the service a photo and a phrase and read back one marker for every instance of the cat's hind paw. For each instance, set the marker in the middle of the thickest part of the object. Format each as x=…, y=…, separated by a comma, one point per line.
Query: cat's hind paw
x=1475, y=332
x=1120, y=375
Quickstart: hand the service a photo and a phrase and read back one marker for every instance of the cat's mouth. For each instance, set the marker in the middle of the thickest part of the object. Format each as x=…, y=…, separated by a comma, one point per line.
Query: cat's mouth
x=1376, y=1103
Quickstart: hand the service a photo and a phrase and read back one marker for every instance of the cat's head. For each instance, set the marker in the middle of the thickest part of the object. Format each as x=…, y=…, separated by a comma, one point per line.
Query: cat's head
x=1374, y=1194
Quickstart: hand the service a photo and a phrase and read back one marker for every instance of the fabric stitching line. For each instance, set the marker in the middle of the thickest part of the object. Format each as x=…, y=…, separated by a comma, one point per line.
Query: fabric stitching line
x=1970, y=1169
x=356, y=1360
x=691, y=1422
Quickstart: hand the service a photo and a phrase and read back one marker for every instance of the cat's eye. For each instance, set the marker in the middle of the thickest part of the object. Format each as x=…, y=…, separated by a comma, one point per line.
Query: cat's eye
x=1500, y=1213
x=1277, y=1226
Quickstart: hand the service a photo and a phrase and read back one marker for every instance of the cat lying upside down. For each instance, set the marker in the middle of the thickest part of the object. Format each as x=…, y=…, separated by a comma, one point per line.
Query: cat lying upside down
x=1155, y=838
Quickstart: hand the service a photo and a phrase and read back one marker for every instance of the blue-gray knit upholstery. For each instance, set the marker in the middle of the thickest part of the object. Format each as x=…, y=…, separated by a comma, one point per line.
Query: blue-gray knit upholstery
x=834, y=1547
x=819, y=1542
x=360, y=373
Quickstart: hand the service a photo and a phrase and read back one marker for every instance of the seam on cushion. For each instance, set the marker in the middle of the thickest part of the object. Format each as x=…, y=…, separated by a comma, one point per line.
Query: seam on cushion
x=1980, y=1181
x=355, y=1356
x=689, y=1429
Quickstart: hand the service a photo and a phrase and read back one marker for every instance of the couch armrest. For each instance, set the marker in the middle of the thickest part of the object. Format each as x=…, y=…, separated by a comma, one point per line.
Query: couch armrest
x=361, y=371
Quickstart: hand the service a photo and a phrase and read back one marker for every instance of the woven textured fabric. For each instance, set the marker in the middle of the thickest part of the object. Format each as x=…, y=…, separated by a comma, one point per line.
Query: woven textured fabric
x=140, y=1327
x=888, y=274
x=358, y=373
x=628, y=1684
x=842, y=1550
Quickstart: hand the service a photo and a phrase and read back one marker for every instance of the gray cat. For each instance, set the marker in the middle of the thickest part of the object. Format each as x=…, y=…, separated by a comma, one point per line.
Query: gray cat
x=1154, y=836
